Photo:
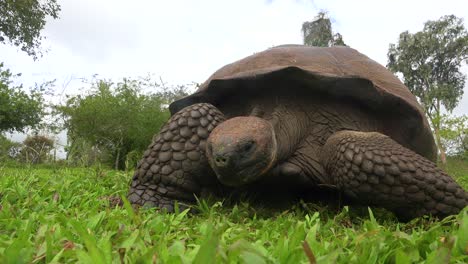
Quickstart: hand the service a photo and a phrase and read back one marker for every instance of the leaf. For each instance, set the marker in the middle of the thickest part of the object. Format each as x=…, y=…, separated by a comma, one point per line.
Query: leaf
x=371, y=224
x=128, y=207
x=462, y=234
x=443, y=253
x=95, y=220
x=105, y=245
x=177, y=248
x=84, y=257
x=401, y=257
x=180, y=217
x=19, y=251
x=251, y=257
x=57, y=257
x=128, y=243
x=95, y=254
x=207, y=251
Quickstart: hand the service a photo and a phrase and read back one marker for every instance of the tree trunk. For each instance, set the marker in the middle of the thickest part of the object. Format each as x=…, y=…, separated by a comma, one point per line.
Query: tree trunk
x=117, y=158
x=442, y=155
x=443, y=158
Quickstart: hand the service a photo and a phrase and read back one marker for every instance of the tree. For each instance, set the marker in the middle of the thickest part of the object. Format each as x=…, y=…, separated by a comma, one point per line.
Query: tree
x=36, y=149
x=18, y=109
x=454, y=134
x=319, y=33
x=8, y=148
x=430, y=62
x=21, y=22
x=115, y=118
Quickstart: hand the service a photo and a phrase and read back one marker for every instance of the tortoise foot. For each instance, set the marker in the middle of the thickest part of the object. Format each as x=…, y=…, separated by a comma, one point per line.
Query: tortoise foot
x=373, y=169
x=174, y=167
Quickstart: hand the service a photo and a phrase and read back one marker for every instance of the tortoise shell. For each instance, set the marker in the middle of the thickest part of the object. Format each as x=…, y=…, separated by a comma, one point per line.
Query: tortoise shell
x=338, y=71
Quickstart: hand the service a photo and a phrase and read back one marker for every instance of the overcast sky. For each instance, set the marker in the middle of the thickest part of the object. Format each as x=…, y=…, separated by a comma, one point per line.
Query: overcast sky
x=186, y=41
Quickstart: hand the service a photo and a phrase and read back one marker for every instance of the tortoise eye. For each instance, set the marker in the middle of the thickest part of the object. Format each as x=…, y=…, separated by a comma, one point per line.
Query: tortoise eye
x=248, y=146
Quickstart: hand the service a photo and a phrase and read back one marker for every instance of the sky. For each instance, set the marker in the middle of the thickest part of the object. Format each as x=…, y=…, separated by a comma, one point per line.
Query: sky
x=186, y=41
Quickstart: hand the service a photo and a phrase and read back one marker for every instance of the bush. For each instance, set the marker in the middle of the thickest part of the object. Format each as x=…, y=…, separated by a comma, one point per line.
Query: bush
x=8, y=149
x=36, y=149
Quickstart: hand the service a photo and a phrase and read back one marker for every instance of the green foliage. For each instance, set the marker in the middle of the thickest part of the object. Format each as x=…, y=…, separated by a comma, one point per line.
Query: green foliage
x=36, y=149
x=454, y=134
x=21, y=22
x=430, y=62
x=18, y=109
x=115, y=119
x=319, y=32
x=70, y=216
x=8, y=149
x=82, y=153
x=458, y=168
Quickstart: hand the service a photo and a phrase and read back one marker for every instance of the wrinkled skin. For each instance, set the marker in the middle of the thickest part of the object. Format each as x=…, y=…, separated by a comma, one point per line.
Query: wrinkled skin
x=241, y=150
x=294, y=145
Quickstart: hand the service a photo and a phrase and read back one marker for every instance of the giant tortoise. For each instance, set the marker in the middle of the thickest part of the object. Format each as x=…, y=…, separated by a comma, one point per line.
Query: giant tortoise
x=295, y=120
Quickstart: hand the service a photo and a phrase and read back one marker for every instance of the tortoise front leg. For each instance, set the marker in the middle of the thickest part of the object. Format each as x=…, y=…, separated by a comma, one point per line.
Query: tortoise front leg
x=374, y=169
x=174, y=167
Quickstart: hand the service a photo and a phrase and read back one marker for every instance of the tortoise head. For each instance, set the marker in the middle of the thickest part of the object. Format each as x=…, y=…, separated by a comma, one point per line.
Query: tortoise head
x=241, y=149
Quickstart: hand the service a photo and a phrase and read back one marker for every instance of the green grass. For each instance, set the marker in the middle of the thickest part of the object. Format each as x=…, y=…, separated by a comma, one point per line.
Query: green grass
x=64, y=215
x=458, y=168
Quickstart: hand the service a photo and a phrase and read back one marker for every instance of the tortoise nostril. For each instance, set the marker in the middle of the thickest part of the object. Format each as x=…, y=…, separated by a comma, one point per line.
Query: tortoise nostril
x=220, y=161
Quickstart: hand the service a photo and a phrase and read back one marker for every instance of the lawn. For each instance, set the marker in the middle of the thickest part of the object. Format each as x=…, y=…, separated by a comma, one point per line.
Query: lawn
x=63, y=215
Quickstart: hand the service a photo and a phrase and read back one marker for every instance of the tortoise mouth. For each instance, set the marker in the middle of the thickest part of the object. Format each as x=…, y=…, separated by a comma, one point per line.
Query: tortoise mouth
x=241, y=150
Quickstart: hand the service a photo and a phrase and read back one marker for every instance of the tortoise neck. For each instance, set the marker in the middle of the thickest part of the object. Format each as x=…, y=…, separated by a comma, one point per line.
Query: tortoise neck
x=290, y=128
x=300, y=124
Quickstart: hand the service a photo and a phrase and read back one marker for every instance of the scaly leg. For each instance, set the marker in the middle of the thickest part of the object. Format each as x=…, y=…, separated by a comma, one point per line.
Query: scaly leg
x=374, y=169
x=174, y=167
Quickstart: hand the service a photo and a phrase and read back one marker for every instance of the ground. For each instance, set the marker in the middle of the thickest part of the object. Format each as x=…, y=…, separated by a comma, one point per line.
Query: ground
x=57, y=215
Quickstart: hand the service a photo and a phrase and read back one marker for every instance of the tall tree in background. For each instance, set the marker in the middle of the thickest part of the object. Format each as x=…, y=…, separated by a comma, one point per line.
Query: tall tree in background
x=319, y=32
x=21, y=22
x=430, y=62
x=18, y=109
